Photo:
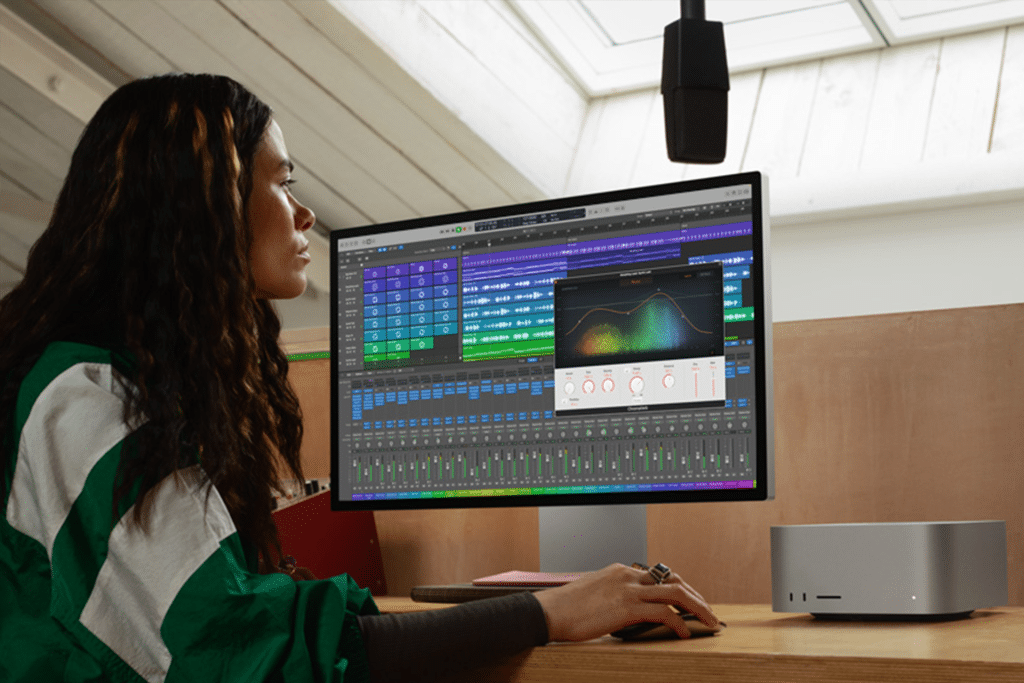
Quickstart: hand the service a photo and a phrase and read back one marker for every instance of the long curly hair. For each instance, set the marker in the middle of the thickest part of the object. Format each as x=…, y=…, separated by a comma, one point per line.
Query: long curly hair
x=147, y=253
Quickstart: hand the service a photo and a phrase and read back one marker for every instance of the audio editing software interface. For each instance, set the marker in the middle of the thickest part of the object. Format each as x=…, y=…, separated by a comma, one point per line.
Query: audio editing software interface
x=603, y=348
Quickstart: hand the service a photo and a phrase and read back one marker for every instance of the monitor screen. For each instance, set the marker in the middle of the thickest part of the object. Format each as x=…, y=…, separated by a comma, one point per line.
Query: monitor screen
x=608, y=348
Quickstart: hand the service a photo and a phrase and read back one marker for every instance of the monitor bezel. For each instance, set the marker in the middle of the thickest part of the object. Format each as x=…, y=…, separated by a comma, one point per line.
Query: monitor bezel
x=765, y=427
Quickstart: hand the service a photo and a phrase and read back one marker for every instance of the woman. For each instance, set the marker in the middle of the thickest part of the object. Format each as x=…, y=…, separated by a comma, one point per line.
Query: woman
x=144, y=408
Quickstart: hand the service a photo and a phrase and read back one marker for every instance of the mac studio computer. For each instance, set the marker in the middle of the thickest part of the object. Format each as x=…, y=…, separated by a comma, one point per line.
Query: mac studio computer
x=588, y=355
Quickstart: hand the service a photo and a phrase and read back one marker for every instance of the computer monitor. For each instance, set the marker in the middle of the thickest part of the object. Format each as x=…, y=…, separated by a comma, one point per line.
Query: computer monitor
x=612, y=348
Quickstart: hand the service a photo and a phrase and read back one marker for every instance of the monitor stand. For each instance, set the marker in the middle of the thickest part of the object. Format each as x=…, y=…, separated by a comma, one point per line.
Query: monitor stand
x=584, y=538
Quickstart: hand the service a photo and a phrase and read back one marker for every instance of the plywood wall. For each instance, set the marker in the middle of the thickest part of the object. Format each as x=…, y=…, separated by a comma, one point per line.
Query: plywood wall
x=891, y=418
x=901, y=417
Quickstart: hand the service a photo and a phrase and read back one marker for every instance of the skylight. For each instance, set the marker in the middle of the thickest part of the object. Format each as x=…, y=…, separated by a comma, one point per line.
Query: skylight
x=615, y=45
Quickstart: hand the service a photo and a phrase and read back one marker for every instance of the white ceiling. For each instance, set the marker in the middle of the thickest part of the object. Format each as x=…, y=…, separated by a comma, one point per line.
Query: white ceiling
x=611, y=46
x=377, y=136
x=369, y=143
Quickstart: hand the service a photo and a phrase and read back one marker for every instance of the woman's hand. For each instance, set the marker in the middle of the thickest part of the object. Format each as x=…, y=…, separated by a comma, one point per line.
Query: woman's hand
x=617, y=596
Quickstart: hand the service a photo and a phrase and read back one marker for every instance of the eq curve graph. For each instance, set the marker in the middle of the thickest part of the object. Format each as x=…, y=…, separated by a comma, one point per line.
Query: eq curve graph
x=655, y=316
x=655, y=323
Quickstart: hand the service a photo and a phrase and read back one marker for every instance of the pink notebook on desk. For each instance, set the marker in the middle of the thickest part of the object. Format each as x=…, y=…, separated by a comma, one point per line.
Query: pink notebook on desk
x=518, y=578
x=505, y=583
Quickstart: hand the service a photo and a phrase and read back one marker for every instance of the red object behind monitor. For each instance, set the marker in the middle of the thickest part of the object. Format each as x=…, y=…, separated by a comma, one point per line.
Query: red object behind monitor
x=331, y=543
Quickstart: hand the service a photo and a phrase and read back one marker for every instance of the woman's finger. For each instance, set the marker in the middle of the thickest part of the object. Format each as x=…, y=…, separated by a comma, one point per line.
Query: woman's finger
x=655, y=613
x=676, y=578
x=677, y=594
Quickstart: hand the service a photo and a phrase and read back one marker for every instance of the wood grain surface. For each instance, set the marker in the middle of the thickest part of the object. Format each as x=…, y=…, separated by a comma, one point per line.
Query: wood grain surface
x=888, y=418
x=759, y=645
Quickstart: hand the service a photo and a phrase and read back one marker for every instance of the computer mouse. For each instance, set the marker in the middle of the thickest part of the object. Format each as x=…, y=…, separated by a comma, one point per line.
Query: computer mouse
x=656, y=631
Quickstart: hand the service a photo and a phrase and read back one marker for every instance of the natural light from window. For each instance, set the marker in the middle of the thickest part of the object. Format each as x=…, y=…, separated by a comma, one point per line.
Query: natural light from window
x=612, y=46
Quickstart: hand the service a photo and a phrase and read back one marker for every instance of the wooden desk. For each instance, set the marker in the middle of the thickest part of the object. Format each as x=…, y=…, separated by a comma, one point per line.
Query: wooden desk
x=761, y=646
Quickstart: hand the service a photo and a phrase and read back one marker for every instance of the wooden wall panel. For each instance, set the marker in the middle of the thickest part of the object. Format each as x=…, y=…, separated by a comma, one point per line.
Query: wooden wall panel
x=652, y=165
x=777, y=135
x=851, y=119
x=31, y=177
x=404, y=191
x=623, y=140
x=60, y=128
x=838, y=123
x=610, y=142
x=901, y=417
x=963, y=105
x=430, y=547
x=536, y=134
x=898, y=118
x=88, y=24
x=522, y=64
x=1008, y=130
x=311, y=380
x=348, y=87
x=31, y=144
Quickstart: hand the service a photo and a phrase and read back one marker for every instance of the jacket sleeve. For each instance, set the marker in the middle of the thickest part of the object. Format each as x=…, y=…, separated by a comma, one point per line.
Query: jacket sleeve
x=174, y=600
x=424, y=646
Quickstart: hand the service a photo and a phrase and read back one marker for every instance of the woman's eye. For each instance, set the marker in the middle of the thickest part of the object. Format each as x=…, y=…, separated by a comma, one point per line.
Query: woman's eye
x=288, y=182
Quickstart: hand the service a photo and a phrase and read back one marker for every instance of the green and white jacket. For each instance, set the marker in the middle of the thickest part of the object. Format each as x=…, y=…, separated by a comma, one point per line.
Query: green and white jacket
x=83, y=598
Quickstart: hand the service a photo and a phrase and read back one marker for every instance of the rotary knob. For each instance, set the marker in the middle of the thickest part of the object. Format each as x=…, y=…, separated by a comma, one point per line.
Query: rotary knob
x=668, y=381
x=636, y=384
x=588, y=386
x=608, y=385
x=569, y=387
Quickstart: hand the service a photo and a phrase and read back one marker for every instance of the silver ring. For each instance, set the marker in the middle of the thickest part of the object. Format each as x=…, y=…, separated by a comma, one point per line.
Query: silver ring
x=660, y=573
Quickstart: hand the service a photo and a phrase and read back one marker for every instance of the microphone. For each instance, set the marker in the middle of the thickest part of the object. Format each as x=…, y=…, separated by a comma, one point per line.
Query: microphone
x=695, y=87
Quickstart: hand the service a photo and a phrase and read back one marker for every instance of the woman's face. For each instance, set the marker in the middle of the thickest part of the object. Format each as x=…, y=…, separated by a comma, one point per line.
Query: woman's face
x=279, y=252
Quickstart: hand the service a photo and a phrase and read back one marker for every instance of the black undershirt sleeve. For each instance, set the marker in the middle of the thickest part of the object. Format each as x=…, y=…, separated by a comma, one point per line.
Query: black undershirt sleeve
x=422, y=646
